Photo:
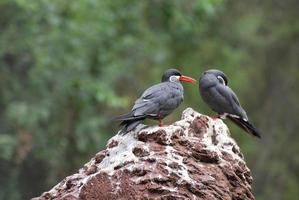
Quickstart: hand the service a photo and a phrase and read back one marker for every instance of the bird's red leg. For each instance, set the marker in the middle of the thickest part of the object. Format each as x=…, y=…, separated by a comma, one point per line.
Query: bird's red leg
x=161, y=123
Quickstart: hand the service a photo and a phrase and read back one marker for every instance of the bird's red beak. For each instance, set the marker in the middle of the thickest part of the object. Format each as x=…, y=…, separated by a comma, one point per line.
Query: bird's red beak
x=187, y=79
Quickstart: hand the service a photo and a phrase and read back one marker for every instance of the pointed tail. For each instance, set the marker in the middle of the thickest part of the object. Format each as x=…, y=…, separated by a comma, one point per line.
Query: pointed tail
x=128, y=117
x=246, y=126
x=129, y=122
x=129, y=126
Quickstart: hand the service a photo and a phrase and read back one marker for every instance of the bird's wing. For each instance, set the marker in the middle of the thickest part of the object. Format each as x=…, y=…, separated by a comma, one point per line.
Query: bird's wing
x=231, y=101
x=246, y=126
x=152, y=99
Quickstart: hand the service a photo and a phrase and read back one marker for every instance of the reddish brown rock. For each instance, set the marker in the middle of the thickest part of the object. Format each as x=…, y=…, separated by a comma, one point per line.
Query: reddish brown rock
x=194, y=158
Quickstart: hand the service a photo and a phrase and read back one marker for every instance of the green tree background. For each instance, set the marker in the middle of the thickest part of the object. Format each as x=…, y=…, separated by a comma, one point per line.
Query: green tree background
x=67, y=67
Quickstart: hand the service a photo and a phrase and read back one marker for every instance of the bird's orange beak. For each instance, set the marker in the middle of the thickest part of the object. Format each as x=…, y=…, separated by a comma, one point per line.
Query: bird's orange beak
x=187, y=79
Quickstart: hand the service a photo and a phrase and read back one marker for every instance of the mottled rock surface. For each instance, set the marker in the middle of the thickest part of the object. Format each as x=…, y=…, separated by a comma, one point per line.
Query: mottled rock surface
x=194, y=158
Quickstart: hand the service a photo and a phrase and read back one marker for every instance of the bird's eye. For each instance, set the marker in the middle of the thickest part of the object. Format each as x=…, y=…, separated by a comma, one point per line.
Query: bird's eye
x=221, y=80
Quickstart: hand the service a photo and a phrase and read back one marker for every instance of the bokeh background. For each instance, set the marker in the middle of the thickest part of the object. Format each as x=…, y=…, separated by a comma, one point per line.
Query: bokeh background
x=67, y=67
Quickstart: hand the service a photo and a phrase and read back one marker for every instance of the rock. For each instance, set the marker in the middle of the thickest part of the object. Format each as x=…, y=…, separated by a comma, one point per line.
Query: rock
x=194, y=158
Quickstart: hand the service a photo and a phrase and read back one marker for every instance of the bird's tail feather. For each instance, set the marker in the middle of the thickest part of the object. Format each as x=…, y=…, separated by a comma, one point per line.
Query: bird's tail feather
x=246, y=126
x=128, y=122
x=129, y=125
x=122, y=117
x=127, y=117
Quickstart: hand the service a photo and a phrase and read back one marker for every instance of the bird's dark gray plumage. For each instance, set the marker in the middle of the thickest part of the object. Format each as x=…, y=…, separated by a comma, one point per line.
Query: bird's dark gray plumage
x=221, y=99
x=157, y=101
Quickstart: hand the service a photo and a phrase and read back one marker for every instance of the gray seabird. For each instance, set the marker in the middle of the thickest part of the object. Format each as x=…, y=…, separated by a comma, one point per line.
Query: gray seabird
x=221, y=99
x=157, y=101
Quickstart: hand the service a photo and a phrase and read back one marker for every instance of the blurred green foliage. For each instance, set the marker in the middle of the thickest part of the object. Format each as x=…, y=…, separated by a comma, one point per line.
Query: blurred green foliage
x=67, y=67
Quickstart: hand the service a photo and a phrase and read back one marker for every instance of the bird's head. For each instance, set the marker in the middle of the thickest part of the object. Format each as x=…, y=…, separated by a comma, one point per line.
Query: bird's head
x=173, y=75
x=218, y=75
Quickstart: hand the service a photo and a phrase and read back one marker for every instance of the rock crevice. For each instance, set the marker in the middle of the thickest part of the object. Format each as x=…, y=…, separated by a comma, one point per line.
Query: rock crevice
x=194, y=158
